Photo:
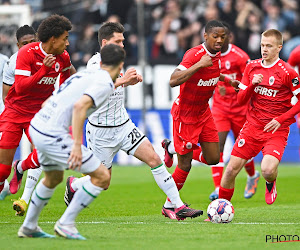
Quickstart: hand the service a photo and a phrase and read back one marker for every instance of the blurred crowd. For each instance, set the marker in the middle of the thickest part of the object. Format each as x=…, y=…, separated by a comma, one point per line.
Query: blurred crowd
x=171, y=26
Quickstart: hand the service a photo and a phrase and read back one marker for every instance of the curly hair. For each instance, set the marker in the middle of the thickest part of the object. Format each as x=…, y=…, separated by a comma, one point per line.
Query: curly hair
x=53, y=25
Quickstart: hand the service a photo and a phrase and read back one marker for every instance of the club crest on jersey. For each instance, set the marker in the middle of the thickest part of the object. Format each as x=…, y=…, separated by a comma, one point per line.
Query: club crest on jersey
x=241, y=143
x=227, y=65
x=295, y=81
x=57, y=66
x=271, y=80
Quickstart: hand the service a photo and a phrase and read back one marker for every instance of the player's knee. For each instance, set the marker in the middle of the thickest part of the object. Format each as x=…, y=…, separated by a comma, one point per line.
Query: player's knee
x=231, y=171
x=101, y=177
x=213, y=160
x=268, y=172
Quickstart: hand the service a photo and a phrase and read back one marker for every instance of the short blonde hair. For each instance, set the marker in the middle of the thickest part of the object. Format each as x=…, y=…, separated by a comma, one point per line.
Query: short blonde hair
x=273, y=32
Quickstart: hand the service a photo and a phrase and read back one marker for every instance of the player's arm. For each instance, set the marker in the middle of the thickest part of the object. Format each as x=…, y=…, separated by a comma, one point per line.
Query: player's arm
x=78, y=117
x=179, y=76
x=5, y=89
x=131, y=77
x=232, y=82
x=23, y=80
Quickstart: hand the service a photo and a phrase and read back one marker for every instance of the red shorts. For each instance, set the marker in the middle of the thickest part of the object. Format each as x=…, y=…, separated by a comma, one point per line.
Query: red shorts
x=187, y=136
x=252, y=140
x=11, y=134
x=226, y=122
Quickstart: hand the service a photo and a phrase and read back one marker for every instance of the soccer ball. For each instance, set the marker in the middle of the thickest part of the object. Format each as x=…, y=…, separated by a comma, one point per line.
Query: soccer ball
x=220, y=211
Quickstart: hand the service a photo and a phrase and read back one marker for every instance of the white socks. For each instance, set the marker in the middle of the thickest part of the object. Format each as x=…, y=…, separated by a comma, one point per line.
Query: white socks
x=82, y=198
x=19, y=167
x=171, y=148
x=33, y=176
x=78, y=182
x=39, y=199
x=165, y=181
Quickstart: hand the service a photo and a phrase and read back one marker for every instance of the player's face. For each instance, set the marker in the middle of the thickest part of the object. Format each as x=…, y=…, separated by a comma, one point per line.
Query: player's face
x=214, y=39
x=269, y=48
x=60, y=43
x=116, y=39
x=25, y=40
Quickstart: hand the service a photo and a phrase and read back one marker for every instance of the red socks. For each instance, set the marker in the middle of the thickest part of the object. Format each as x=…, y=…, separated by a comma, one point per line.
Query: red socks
x=31, y=162
x=225, y=193
x=217, y=172
x=4, y=173
x=250, y=168
x=198, y=156
x=179, y=177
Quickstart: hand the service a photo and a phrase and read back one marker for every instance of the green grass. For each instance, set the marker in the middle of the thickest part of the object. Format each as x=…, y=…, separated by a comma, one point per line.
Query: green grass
x=128, y=216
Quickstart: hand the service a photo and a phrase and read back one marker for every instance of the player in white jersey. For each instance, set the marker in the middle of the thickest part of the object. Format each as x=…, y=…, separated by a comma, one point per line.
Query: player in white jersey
x=25, y=34
x=3, y=60
x=109, y=130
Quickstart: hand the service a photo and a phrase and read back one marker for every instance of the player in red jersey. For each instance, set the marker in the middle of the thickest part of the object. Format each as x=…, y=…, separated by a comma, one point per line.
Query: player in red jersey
x=38, y=66
x=269, y=83
x=228, y=114
x=197, y=75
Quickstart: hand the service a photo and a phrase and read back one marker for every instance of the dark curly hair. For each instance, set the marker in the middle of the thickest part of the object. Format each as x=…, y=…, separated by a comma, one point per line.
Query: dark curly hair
x=53, y=25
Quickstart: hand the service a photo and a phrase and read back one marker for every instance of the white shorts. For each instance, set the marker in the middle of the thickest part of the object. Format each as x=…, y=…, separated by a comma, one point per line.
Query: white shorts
x=106, y=142
x=54, y=151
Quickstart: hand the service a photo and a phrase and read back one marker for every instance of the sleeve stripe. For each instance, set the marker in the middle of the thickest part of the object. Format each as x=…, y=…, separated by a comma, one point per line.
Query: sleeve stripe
x=22, y=72
x=242, y=86
x=65, y=69
x=181, y=67
x=296, y=92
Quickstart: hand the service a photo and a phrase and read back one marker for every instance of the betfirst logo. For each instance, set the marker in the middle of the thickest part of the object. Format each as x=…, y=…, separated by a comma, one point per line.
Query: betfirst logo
x=47, y=80
x=265, y=91
x=208, y=83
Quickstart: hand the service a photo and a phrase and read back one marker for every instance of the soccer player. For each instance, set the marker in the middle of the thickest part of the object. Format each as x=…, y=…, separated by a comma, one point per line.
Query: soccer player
x=269, y=83
x=109, y=129
x=228, y=115
x=197, y=75
x=37, y=68
x=25, y=34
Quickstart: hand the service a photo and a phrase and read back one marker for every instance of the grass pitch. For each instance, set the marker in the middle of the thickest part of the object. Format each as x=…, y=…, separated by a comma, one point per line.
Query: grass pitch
x=128, y=216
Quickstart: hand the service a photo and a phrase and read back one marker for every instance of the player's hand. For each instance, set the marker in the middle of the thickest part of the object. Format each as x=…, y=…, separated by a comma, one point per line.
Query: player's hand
x=75, y=159
x=257, y=78
x=235, y=84
x=49, y=60
x=272, y=125
x=222, y=90
x=131, y=77
x=205, y=61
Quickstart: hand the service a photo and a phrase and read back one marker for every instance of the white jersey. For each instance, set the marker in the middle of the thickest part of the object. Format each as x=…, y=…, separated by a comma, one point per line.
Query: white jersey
x=9, y=70
x=3, y=60
x=56, y=117
x=112, y=113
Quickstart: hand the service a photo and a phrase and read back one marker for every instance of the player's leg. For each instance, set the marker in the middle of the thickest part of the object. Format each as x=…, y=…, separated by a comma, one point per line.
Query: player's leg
x=6, y=158
x=20, y=205
x=269, y=170
x=39, y=199
x=228, y=180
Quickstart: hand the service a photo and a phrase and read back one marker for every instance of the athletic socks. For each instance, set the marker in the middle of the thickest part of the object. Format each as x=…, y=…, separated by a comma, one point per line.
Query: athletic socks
x=39, y=200
x=31, y=162
x=226, y=193
x=165, y=181
x=4, y=173
x=250, y=168
x=171, y=148
x=33, y=176
x=78, y=182
x=179, y=177
x=198, y=156
x=217, y=172
x=82, y=198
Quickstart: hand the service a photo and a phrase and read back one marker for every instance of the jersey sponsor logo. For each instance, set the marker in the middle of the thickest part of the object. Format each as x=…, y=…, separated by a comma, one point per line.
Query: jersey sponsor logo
x=208, y=83
x=271, y=80
x=227, y=65
x=57, y=66
x=47, y=80
x=265, y=91
x=241, y=143
x=295, y=82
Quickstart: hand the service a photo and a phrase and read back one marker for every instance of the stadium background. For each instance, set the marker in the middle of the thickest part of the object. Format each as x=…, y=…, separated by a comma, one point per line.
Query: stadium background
x=149, y=103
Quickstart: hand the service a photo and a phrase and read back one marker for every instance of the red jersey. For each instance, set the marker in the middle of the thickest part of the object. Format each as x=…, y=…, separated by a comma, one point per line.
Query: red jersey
x=192, y=101
x=272, y=97
x=294, y=59
x=34, y=82
x=233, y=63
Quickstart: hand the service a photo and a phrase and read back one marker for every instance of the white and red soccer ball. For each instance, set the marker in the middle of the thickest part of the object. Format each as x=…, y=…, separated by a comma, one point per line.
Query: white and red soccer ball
x=220, y=211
